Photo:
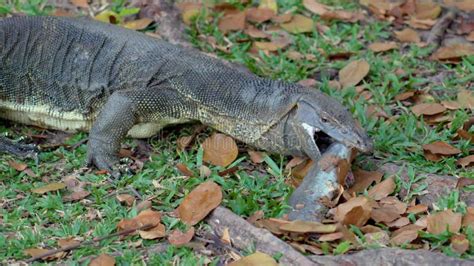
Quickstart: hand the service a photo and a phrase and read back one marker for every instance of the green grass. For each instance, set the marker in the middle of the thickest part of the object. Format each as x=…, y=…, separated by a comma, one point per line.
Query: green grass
x=29, y=220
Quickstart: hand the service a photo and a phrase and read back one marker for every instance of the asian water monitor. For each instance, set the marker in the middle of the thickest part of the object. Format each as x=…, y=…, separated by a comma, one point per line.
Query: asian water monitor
x=75, y=74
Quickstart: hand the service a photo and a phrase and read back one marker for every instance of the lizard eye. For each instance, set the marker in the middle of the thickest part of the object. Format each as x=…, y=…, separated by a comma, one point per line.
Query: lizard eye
x=324, y=120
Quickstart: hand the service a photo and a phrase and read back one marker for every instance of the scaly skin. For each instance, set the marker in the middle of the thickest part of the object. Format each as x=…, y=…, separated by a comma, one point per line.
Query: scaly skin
x=76, y=74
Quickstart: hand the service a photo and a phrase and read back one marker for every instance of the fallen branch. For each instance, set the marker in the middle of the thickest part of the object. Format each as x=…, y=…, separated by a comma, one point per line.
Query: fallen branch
x=244, y=235
x=88, y=242
x=391, y=256
x=438, y=30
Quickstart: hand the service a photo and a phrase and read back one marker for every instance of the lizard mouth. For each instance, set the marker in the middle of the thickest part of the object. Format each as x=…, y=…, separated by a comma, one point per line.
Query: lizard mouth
x=322, y=140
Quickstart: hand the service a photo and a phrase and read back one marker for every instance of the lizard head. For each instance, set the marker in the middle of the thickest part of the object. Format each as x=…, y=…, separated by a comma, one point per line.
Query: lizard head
x=320, y=113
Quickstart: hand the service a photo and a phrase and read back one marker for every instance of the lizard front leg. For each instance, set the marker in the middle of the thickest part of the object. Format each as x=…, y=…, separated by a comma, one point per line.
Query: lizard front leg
x=116, y=118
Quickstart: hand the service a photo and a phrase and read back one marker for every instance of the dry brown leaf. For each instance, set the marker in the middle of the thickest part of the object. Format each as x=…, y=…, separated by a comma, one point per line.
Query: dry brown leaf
x=138, y=24
x=76, y=195
x=363, y=179
x=464, y=181
x=400, y=222
x=40, y=251
x=382, y=46
x=200, y=202
x=465, y=5
x=382, y=189
x=315, y=7
x=423, y=24
x=453, y=52
x=269, y=46
x=232, y=22
x=393, y=202
x=143, y=205
x=468, y=219
x=420, y=208
x=256, y=259
x=127, y=224
x=191, y=11
x=459, y=243
x=220, y=150
x=283, y=18
x=384, y=215
x=226, y=236
x=343, y=15
x=49, y=187
x=307, y=82
x=408, y=35
x=178, y=238
x=405, y=237
x=331, y=236
x=256, y=33
x=183, y=169
x=444, y=220
x=17, y=165
x=466, y=161
x=353, y=73
x=257, y=156
x=441, y=148
x=355, y=211
x=148, y=217
x=298, y=226
x=259, y=15
x=428, y=109
x=380, y=238
x=299, y=24
x=158, y=231
x=103, y=260
x=470, y=37
x=427, y=10
x=67, y=242
x=466, y=99
x=126, y=198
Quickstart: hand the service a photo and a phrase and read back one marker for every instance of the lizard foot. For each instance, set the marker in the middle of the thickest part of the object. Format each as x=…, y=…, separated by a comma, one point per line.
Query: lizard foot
x=102, y=156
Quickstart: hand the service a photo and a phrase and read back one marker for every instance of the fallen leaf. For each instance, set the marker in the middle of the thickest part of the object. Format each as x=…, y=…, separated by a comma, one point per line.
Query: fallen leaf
x=453, y=52
x=37, y=252
x=353, y=73
x=428, y=109
x=220, y=150
x=408, y=35
x=17, y=166
x=184, y=169
x=259, y=15
x=331, y=236
x=143, y=205
x=420, y=208
x=459, y=243
x=466, y=99
x=384, y=215
x=427, y=10
x=400, y=222
x=189, y=10
x=226, y=236
x=138, y=24
x=299, y=24
x=48, y=188
x=378, y=47
x=393, y=202
x=269, y=46
x=468, y=219
x=108, y=16
x=382, y=189
x=464, y=182
x=363, y=179
x=307, y=82
x=232, y=22
x=466, y=161
x=404, y=237
x=257, y=156
x=355, y=211
x=273, y=225
x=315, y=7
x=256, y=259
x=158, y=231
x=444, y=220
x=465, y=5
x=178, y=238
x=67, y=242
x=256, y=33
x=380, y=238
x=423, y=24
x=441, y=148
x=103, y=260
x=148, y=217
x=200, y=202
x=127, y=224
x=270, y=4
x=76, y=195
x=342, y=15
x=299, y=226
x=126, y=198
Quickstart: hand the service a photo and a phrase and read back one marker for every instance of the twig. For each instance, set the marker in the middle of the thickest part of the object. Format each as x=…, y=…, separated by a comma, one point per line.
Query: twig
x=437, y=32
x=88, y=242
